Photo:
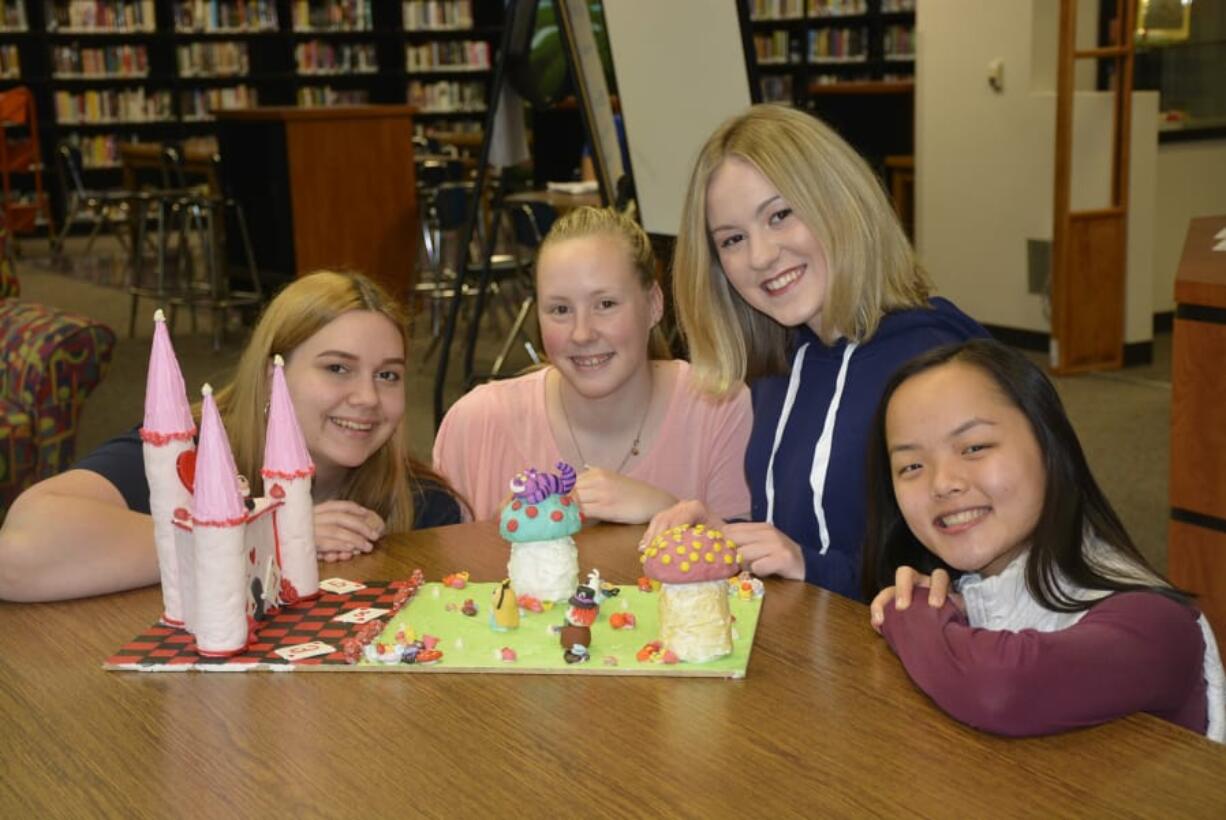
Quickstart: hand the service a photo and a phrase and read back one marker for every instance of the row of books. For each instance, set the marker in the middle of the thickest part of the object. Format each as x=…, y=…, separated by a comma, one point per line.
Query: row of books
x=776, y=88
x=338, y=15
x=445, y=97
x=776, y=9
x=13, y=16
x=99, y=150
x=200, y=103
x=226, y=15
x=453, y=55
x=220, y=59
x=113, y=105
x=102, y=15
x=10, y=62
x=320, y=96
x=774, y=48
x=423, y=15
x=891, y=6
x=797, y=9
x=321, y=57
x=109, y=61
x=898, y=42
x=837, y=8
x=838, y=45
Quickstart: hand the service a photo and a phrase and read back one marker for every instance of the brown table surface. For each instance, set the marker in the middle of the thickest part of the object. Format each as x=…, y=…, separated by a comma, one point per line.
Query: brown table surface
x=560, y=200
x=826, y=722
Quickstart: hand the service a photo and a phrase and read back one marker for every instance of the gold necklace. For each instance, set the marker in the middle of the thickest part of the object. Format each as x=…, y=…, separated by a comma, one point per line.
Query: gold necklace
x=634, y=446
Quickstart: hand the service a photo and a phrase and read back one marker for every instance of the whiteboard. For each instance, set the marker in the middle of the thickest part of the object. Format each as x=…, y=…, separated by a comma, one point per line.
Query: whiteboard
x=680, y=67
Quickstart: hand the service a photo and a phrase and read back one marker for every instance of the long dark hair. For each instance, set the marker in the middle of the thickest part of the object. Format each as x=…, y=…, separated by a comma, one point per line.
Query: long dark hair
x=1072, y=500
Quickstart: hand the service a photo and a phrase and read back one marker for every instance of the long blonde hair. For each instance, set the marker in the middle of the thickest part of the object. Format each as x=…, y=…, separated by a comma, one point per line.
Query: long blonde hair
x=872, y=268
x=588, y=221
x=385, y=483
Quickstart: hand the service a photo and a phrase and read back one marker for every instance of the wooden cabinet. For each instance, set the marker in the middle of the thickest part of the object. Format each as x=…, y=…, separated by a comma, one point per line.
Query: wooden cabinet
x=1197, y=544
x=325, y=188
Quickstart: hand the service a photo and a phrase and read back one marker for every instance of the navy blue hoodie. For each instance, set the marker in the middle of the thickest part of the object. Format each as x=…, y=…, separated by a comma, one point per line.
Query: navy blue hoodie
x=833, y=561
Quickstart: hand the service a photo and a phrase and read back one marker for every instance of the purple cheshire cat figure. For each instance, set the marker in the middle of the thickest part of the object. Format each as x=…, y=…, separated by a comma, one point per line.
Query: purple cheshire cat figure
x=533, y=487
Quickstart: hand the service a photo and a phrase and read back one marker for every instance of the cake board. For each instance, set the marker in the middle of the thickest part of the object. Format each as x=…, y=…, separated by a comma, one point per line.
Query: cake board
x=468, y=643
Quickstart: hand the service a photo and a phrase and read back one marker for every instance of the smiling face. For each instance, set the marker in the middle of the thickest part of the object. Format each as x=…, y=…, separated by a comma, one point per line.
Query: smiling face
x=770, y=257
x=967, y=470
x=595, y=315
x=347, y=384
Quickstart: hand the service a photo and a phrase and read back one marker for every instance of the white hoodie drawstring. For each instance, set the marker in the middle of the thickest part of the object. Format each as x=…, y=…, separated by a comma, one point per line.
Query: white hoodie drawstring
x=825, y=442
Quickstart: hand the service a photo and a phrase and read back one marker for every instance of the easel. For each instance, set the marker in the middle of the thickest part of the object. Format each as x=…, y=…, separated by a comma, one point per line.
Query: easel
x=615, y=186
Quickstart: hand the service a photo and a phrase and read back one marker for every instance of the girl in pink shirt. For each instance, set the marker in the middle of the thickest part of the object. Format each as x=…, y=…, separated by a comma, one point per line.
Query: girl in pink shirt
x=610, y=402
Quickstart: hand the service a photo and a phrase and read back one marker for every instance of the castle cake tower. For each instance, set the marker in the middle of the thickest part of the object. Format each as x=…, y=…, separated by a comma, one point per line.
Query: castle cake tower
x=539, y=522
x=287, y=473
x=169, y=436
x=226, y=562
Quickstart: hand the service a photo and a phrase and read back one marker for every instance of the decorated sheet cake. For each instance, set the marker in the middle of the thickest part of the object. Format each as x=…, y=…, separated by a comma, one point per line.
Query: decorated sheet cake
x=241, y=589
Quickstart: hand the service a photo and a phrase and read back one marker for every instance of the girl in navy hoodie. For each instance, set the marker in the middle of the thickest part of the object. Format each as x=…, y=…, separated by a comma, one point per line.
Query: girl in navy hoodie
x=792, y=273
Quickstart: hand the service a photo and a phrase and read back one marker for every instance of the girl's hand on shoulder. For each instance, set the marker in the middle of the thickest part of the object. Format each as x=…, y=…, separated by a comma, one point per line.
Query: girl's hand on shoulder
x=766, y=551
x=906, y=579
x=681, y=514
x=344, y=529
x=608, y=496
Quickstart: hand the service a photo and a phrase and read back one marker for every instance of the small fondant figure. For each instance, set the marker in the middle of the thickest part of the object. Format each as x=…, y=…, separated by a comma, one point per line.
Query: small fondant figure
x=504, y=608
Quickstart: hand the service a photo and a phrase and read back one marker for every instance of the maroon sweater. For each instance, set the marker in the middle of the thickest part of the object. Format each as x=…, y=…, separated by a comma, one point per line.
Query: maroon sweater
x=1132, y=652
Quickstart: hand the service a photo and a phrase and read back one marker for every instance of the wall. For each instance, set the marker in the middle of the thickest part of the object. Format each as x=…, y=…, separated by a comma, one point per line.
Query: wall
x=1191, y=183
x=984, y=160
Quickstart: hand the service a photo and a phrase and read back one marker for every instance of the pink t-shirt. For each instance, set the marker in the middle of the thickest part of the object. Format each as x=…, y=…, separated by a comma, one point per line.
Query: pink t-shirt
x=500, y=428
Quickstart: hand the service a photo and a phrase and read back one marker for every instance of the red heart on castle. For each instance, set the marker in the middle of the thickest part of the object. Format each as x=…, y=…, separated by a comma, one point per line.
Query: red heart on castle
x=186, y=465
x=277, y=492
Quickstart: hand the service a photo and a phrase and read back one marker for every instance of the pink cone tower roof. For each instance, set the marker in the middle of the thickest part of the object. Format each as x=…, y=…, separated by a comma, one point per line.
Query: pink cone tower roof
x=168, y=416
x=218, y=501
x=285, y=449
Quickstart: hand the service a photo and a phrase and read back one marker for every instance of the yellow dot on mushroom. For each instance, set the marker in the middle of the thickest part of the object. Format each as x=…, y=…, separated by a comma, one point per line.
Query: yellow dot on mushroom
x=715, y=534
x=693, y=556
x=739, y=558
x=685, y=566
x=728, y=558
x=651, y=552
x=666, y=558
x=717, y=547
x=731, y=544
x=681, y=549
x=642, y=559
x=709, y=558
x=698, y=528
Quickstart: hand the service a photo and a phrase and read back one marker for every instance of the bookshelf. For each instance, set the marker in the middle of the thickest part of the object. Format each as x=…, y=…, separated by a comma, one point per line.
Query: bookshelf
x=449, y=50
x=851, y=62
x=107, y=72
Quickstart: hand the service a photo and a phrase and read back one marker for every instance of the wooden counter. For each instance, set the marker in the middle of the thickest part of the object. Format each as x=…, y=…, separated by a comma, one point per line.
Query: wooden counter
x=326, y=188
x=1197, y=543
x=826, y=723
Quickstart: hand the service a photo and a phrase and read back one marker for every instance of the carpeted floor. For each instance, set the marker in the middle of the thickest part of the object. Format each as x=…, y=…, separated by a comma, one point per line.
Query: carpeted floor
x=1123, y=418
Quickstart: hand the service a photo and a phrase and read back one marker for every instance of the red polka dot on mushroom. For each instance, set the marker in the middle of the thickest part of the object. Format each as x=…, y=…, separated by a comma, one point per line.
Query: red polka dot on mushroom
x=556, y=515
x=515, y=505
x=512, y=525
x=531, y=512
x=565, y=500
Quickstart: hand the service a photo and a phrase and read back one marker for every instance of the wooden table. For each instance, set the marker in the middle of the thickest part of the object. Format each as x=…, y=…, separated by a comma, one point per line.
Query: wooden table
x=825, y=723
x=559, y=200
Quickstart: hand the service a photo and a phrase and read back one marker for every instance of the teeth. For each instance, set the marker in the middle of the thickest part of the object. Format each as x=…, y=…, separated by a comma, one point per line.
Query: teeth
x=781, y=281
x=353, y=425
x=964, y=517
x=591, y=361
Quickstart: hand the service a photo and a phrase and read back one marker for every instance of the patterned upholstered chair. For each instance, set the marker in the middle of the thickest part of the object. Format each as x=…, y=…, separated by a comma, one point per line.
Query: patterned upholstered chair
x=52, y=361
